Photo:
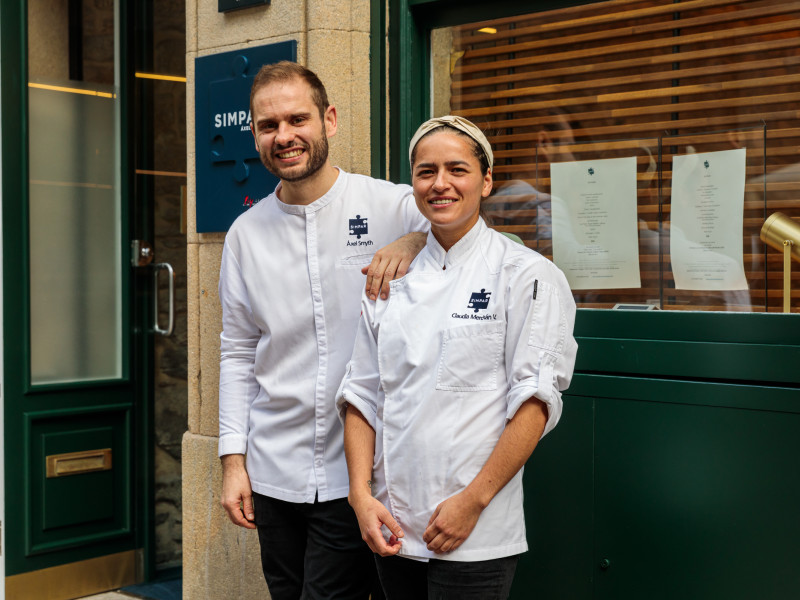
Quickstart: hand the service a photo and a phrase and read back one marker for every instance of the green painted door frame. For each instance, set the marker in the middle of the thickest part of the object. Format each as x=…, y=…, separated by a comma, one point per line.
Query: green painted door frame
x=116, y=413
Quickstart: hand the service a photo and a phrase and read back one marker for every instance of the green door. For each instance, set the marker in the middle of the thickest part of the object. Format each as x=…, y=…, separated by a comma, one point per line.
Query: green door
x=76, y=342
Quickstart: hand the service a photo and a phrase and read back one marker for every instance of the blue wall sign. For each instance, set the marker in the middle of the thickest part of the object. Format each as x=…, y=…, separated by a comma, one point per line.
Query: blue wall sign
x=230, y=176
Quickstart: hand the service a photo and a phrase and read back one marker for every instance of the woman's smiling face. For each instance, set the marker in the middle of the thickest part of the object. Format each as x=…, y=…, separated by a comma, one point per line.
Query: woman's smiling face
x=448, y=184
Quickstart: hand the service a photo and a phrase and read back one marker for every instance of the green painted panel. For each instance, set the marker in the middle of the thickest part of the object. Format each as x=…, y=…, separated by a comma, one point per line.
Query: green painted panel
x=64, y=499
x=761, y=363
x=410, y=87
x=687, y=488
x=558, y=508
x=748, y=328
x=377, y=87
x=66, y=512
x=88, y=500
x=759, y=348
x=700, y=393
x=696, y=502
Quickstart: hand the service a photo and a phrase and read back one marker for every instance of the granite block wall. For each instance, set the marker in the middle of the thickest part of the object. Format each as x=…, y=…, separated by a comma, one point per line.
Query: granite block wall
x=221, y=561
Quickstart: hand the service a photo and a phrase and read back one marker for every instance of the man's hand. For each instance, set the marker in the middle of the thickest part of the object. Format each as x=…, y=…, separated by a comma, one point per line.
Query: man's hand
x=237, y=495
x=371, y=515
x=452, y=522
x=392, y=262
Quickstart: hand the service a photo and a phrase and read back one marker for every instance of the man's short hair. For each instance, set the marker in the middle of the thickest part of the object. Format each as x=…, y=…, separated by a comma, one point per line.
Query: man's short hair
x=285, y=71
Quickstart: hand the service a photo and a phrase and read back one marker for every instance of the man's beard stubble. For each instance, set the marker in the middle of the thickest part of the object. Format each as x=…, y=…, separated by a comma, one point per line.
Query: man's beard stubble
x=317, y=155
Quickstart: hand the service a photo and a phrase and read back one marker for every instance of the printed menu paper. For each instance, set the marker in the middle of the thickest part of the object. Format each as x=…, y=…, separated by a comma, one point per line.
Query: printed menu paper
x=595, y=233
x=707, y=218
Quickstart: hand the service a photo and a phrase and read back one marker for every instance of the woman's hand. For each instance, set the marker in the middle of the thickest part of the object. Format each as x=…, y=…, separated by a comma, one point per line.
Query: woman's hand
x=452, y=522
x=359, y=449
x=371, y=515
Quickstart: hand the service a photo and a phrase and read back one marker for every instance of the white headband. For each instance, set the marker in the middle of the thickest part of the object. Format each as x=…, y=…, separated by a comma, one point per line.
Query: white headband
x=455, y=122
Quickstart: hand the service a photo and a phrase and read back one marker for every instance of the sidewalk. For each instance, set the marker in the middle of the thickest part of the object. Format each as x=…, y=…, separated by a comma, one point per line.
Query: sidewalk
x=170, y=589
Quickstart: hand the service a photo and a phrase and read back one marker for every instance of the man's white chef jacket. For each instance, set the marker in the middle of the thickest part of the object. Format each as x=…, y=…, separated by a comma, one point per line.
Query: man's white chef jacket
x=290, y=285
x=440, y=367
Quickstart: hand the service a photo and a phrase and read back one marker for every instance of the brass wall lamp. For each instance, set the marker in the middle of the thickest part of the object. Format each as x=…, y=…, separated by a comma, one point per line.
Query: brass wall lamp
x=783, y=234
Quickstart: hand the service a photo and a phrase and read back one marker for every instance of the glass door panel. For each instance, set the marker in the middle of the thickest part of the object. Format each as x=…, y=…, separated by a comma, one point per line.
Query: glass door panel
x=74, y=182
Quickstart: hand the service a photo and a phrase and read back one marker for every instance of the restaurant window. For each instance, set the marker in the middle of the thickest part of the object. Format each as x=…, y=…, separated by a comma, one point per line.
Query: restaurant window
x=641, y=145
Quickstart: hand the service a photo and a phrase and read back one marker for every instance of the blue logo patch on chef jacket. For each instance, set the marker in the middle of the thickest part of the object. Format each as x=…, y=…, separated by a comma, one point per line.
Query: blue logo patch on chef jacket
x=358, y=227
x=479, y=300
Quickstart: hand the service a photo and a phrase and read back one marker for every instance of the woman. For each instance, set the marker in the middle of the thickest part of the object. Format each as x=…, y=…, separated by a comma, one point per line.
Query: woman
x=452, y=382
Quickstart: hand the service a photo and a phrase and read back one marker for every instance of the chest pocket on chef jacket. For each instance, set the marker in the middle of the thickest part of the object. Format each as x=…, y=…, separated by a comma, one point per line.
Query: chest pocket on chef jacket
x=470, y=357
x=350, y=283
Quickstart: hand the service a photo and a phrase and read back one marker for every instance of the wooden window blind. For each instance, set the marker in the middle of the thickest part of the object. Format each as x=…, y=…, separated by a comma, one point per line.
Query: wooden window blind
x=646, y=79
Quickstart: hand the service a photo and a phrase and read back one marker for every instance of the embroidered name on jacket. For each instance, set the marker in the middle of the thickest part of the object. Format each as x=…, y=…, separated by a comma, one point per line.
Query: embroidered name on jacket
x=359, y=227
x=477, y=301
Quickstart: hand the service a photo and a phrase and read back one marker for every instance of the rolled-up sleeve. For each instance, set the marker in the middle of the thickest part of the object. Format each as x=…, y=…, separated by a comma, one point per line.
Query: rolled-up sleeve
x=540, y=346
x=238, y=343
x=359, y=387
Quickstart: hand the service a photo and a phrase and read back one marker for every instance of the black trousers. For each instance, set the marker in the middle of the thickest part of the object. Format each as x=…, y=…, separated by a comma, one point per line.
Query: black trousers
x=313, y=551
x=406, y=579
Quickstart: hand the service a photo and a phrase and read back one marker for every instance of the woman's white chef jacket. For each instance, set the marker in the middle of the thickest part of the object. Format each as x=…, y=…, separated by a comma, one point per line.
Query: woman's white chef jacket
x=290, y=285
x=437, y=370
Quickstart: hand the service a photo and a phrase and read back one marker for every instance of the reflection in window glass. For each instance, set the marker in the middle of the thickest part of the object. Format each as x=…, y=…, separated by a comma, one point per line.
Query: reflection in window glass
x=648, y=81
x=74, y=202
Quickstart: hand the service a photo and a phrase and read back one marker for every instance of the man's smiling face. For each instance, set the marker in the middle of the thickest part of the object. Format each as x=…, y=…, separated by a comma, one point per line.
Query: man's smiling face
x=290, y=134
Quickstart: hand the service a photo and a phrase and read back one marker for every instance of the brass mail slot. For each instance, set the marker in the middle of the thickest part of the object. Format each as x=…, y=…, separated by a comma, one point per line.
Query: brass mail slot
x=74, y=463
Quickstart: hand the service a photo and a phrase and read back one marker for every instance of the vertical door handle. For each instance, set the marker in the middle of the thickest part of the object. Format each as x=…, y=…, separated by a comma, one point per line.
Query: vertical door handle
x=157, y=268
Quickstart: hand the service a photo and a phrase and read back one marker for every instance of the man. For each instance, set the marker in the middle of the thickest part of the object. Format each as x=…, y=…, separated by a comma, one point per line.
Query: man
x=290, y=286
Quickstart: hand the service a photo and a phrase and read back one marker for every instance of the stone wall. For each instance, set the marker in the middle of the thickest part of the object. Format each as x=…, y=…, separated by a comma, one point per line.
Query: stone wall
x=220, y=561
x=170, y=374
